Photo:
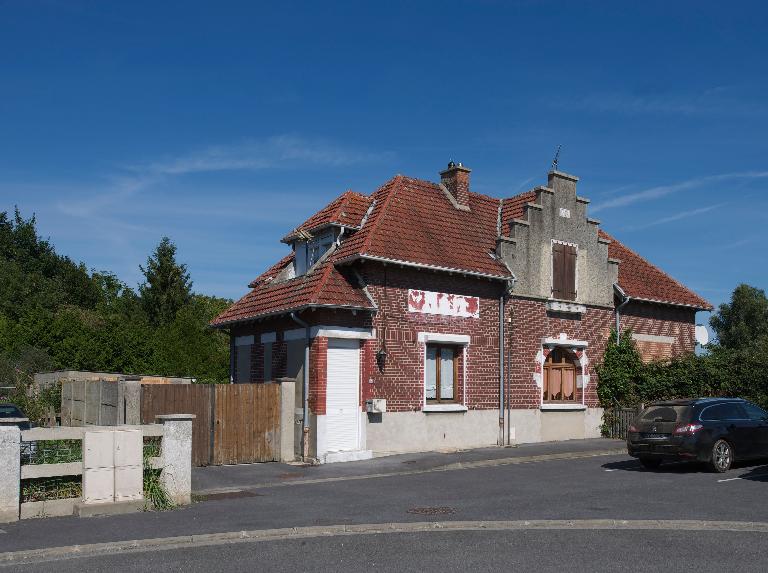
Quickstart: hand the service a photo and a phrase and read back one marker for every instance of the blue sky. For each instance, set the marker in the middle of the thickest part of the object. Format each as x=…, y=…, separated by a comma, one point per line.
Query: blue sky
x=225, y=124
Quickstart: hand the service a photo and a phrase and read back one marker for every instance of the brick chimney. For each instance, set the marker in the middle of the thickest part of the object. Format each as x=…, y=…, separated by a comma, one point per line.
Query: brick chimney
x=455, y=179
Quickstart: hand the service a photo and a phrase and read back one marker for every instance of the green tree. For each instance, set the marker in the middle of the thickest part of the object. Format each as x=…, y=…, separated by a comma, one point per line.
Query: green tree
x=619, y=372
x=167, y=287
x=744, y=320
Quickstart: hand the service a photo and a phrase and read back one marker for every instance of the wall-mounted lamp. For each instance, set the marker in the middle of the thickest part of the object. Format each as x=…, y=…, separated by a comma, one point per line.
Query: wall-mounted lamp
x=381, y=359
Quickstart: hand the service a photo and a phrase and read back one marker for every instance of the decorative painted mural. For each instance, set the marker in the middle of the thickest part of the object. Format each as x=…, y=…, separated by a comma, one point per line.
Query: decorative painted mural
x=442, y=303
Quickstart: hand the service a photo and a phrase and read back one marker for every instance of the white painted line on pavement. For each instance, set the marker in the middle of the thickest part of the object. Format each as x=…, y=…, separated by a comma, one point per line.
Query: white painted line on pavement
x=729, y=479
x=613, y=470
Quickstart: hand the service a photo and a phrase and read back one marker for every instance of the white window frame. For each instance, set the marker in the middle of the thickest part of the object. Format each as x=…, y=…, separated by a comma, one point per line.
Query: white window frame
x=462, y=340
x=552, y=268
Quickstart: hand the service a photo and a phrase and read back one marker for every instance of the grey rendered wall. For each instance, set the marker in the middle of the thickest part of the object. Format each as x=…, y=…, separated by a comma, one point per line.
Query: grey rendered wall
x=528, y=249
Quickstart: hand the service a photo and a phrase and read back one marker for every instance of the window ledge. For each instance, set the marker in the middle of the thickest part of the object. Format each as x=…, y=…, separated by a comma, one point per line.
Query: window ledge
x=444, y=408
x=566, y=307
x=563, y=407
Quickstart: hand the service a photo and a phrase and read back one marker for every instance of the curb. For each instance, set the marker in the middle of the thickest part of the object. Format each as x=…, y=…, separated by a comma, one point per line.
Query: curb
x=450, y=467
x=211, y=539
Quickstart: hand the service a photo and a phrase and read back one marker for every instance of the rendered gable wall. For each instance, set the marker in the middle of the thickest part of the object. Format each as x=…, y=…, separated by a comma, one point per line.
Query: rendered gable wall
x=558, y=214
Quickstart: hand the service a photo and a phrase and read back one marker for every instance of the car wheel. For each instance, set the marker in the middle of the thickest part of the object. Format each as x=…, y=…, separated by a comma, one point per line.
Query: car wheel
x=650, y=463
x=722, y=456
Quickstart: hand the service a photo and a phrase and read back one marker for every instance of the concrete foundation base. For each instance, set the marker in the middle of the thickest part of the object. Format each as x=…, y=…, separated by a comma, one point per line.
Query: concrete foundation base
x=94, y=509
x=353, y=456
x=402, y=432
x=52, y=508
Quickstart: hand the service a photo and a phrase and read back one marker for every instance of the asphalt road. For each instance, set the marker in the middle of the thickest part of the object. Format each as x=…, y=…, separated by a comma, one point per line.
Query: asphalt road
x=587, y=488
x=588, y=551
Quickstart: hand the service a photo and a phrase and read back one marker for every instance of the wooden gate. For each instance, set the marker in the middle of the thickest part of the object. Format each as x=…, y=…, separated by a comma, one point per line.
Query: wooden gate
x=234, y=424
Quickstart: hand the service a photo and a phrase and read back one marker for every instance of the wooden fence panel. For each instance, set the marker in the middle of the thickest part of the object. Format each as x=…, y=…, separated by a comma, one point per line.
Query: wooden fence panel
x=194, y=399
x=246, y=423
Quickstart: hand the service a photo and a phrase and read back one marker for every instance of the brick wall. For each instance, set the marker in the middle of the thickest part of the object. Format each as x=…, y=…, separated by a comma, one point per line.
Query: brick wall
x=659, y=320
x=530, y=324
x=401, y=382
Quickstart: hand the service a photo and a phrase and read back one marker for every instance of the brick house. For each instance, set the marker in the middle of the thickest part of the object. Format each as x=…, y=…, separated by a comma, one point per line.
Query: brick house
x=432, y=317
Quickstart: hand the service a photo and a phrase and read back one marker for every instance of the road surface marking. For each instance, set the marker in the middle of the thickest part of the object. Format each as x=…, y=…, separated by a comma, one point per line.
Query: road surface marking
x=729, y=479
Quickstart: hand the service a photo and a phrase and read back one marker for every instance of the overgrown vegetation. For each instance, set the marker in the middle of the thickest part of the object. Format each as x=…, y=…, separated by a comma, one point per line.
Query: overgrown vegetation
x=731, y=366
x=155, y=495
x=57, y=314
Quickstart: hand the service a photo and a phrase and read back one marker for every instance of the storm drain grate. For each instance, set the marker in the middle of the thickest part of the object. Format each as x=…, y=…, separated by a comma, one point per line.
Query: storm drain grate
x=432, y=510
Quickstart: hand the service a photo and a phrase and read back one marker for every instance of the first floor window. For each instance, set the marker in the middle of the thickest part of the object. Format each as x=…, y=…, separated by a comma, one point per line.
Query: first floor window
x=559, y=377
x=441, y=373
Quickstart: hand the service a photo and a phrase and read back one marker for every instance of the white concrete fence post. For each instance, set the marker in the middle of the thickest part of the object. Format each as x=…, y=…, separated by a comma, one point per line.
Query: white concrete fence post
x=10, y=473
x=176, y=456
x=287, y=424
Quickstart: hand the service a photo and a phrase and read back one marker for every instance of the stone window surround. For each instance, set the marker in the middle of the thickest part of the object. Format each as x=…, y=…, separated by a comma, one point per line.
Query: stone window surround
x=462, y=340
x=582, y=380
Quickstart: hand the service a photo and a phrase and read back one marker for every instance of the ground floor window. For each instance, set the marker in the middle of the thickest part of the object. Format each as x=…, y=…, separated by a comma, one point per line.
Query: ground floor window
x=442, y=369
x=243, y=351
x=559, y=376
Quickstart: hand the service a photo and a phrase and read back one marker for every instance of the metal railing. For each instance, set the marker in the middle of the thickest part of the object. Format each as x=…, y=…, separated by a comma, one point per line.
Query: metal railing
x=616, y=421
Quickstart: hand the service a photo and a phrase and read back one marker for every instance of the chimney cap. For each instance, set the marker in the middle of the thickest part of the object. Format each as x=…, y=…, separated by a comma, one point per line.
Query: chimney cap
x=453, y=166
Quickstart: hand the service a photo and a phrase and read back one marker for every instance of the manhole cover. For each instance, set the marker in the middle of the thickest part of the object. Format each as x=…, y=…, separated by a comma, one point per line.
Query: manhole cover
x=432, y=510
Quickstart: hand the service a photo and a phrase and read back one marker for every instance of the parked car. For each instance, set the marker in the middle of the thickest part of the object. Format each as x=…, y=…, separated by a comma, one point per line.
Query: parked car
x=13, y=411
x=716, y=431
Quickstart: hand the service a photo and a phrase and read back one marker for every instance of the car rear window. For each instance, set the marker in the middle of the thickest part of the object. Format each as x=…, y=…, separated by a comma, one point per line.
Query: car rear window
x=665, y=414
x=9, y=412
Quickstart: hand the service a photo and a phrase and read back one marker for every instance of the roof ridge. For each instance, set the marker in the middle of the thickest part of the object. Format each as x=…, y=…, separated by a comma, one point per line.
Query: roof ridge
x=367, y=242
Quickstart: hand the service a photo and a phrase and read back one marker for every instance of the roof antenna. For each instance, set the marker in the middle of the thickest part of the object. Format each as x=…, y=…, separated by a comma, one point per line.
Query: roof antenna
x=556, y=159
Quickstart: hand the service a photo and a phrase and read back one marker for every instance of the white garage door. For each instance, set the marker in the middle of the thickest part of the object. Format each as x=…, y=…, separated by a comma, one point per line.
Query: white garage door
x=342, y=402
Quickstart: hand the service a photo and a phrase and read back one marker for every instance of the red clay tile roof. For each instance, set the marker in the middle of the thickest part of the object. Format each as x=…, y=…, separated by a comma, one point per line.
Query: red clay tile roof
x=414, y=221
x=637, y=277
x=347, y=210
x=325, y=285
x=642, y=280
x=512, y=208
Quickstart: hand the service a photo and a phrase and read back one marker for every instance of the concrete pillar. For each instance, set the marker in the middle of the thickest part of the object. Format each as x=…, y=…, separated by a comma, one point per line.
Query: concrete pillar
x=129, y=402
x=176, y=456
x=287, y=423
x=10, y=473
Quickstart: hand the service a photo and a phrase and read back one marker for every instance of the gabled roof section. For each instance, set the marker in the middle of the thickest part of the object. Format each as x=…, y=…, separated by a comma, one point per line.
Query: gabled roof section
x=323, y=286
x=413, y=222
x=347, y=210
x=643, y=280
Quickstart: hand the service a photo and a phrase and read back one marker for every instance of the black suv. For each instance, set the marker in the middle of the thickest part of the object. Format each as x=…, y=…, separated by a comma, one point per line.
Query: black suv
x=715, y=431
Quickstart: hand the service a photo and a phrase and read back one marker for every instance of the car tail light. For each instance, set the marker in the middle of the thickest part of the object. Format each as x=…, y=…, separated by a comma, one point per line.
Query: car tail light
x=687, y=429
x=633, y=428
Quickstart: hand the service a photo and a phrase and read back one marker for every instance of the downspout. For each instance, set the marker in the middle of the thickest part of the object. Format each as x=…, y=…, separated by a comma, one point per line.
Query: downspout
x=232, y=349
x=305, y=416
x=626, y=298
x=502, y=300
x=509, y=372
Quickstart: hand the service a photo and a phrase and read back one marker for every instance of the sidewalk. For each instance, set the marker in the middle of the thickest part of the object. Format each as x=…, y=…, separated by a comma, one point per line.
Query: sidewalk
x=223, y=479
x=264, y=496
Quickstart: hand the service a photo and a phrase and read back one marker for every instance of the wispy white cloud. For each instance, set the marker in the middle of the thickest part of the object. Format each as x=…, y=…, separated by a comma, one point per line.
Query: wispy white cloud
x=715, y=100
x=675, y=217
x=283, y=151
x=664, y=190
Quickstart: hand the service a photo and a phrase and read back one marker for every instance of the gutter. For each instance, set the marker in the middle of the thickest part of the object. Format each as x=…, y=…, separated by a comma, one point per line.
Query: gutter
x=626, y=298
x=305, y=416
x=402, y=263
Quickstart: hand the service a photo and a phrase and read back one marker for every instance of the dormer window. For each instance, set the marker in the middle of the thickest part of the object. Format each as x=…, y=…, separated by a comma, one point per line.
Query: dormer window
x=309, y=252
x=563, y=271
